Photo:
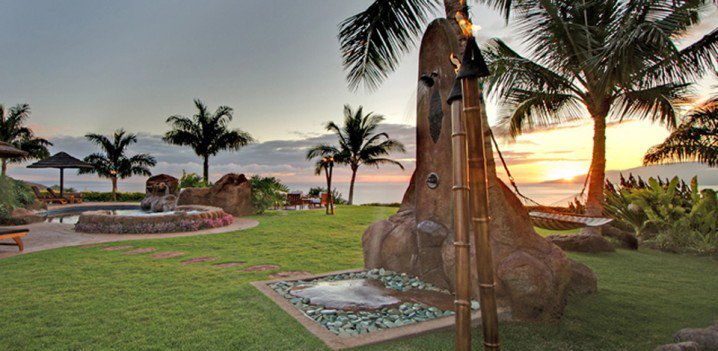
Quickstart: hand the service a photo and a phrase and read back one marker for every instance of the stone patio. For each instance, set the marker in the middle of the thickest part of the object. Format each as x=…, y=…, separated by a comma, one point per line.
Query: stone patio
x=46, y=236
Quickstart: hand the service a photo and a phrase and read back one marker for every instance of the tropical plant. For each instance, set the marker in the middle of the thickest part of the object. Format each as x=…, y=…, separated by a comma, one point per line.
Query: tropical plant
x=615, y=59
x=266, y=191
x=696, y=139
x=359, y=144
x=112, y=162
x=14, y=131
x=191, y=180
x=670, y=215
x=206, y=133
x=337, y=197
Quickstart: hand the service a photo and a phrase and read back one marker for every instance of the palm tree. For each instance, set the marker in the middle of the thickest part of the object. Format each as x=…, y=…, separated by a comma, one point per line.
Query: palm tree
x=696, y=139
x=207, y=133
x=606, y=59
x=14, y=131
x=113, y=162
x=358, y=144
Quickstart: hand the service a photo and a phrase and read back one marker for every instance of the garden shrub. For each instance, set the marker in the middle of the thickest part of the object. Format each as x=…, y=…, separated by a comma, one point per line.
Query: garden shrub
x=336, y=195
x=266, y=191
x=192, y=180
x=681, y=218
x=97, y=196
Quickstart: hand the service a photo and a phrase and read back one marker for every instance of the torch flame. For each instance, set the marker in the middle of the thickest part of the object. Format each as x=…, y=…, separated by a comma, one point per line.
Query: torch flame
x=464, y=24
x=456, y=62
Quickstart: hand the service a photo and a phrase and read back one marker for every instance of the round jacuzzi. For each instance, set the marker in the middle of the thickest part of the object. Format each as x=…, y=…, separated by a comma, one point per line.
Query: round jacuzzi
x=131, y=219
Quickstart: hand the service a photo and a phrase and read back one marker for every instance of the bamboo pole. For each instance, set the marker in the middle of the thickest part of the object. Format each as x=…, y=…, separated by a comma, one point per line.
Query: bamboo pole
x=472, y=68
x=462, y=243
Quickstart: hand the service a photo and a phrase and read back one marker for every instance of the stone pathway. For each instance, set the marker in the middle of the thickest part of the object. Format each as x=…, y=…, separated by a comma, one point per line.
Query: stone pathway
x=198, y=260
x=45, y=236
x=229, y=264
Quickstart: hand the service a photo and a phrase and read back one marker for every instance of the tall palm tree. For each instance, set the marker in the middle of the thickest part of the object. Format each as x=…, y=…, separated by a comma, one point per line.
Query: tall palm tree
x=696, y=139
x=358, y=144
x=604, y=59
x=14, y=131
x=112, y=162
x=207, y=133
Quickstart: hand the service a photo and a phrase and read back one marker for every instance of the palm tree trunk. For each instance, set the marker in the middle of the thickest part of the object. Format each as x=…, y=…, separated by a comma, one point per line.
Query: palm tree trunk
x=594, y=202
x=4, y=167
x=351, y=185
x=114, y=188
x=205, y=169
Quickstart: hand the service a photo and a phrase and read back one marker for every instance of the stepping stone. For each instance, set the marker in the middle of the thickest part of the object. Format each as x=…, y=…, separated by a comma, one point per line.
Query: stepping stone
x=91, y=246
x=167, y=254
x=259, y=268
x=199, y=259
x=229, y=264
x=139, y=251
x=288, y=274
x=115, y=248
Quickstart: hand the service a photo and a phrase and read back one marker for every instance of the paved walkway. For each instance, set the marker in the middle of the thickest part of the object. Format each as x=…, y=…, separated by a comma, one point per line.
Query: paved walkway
x=45, y=236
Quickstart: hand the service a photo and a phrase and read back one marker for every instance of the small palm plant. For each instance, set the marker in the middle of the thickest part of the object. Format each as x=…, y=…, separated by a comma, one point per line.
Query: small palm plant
x=359, y=144
x=112, y=162
x=206, y=133
x=14, y=131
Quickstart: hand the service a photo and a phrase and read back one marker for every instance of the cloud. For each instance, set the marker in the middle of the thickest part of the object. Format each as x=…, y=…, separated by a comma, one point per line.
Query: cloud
x=285, y=159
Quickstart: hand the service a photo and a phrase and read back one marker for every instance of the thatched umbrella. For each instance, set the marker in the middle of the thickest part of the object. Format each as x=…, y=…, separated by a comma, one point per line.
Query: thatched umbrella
x=60, y=160
x=7, y=150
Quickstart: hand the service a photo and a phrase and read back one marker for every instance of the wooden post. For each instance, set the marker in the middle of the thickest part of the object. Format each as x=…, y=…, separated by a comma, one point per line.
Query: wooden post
x=472, y=68
x=62, y=182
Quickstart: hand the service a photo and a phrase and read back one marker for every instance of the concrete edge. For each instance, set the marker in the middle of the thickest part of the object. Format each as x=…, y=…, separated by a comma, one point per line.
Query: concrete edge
x=336, y=342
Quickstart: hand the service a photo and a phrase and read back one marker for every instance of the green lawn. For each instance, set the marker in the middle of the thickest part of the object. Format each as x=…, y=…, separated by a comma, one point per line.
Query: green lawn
x=89, y=299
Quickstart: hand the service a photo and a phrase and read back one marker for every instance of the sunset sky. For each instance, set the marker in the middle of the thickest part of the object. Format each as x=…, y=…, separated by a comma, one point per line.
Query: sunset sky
x=95, y=66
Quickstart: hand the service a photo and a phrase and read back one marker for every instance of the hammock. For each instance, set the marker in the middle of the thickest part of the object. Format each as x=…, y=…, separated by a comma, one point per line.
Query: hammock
x=558, y=221
x=552, y=220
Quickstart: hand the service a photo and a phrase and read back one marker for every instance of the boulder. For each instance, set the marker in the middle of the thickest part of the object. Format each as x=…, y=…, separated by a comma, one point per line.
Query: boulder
x=681, y=346
x=158, y=183
x=232, y=193
x=583, y=279
x=707, y=338
x=24, y=216
x=626, y=239
x=581, y=243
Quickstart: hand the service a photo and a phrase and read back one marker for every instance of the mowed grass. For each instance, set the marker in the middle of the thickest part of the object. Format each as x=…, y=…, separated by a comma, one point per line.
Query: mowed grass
x=90, y=299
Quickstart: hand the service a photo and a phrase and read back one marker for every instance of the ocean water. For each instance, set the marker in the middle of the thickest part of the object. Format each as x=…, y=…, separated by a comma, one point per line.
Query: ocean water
x=546, y=194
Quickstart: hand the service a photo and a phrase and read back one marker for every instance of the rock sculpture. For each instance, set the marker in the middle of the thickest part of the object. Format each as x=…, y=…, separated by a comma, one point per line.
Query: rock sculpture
x=160, y=193
x=232, y=193
x=533, y=274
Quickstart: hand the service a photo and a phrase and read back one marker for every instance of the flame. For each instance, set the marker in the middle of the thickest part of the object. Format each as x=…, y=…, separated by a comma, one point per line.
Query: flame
x=464, y=24
x=456, y=62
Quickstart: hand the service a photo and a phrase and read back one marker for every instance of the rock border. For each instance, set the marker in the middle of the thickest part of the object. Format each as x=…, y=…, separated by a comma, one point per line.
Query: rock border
x=336, y=342
x=182, y=220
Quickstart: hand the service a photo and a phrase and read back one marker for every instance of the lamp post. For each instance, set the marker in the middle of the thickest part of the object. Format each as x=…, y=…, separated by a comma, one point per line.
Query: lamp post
x=328, y=163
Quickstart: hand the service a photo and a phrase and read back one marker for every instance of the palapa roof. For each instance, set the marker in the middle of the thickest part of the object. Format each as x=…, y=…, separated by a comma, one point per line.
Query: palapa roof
x=60, y=160
x=7, y=150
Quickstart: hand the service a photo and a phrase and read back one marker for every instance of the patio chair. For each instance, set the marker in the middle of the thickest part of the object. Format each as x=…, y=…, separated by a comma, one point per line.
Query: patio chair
x=14, y=234
x=51, y=198
x=294, y=200
x=73, y=198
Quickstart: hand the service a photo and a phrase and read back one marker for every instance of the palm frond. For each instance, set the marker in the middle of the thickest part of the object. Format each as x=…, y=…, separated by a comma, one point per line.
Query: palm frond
x=372, y=42
x=694, y=140
x=658, y=103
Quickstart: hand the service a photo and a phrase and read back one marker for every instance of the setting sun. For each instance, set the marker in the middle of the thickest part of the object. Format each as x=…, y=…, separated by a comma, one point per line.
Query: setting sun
x=565, y=171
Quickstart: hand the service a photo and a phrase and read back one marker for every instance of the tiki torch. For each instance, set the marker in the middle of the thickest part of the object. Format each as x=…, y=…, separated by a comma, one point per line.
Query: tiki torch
x=328, y=170
x=472, y=68
x=462, y=243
